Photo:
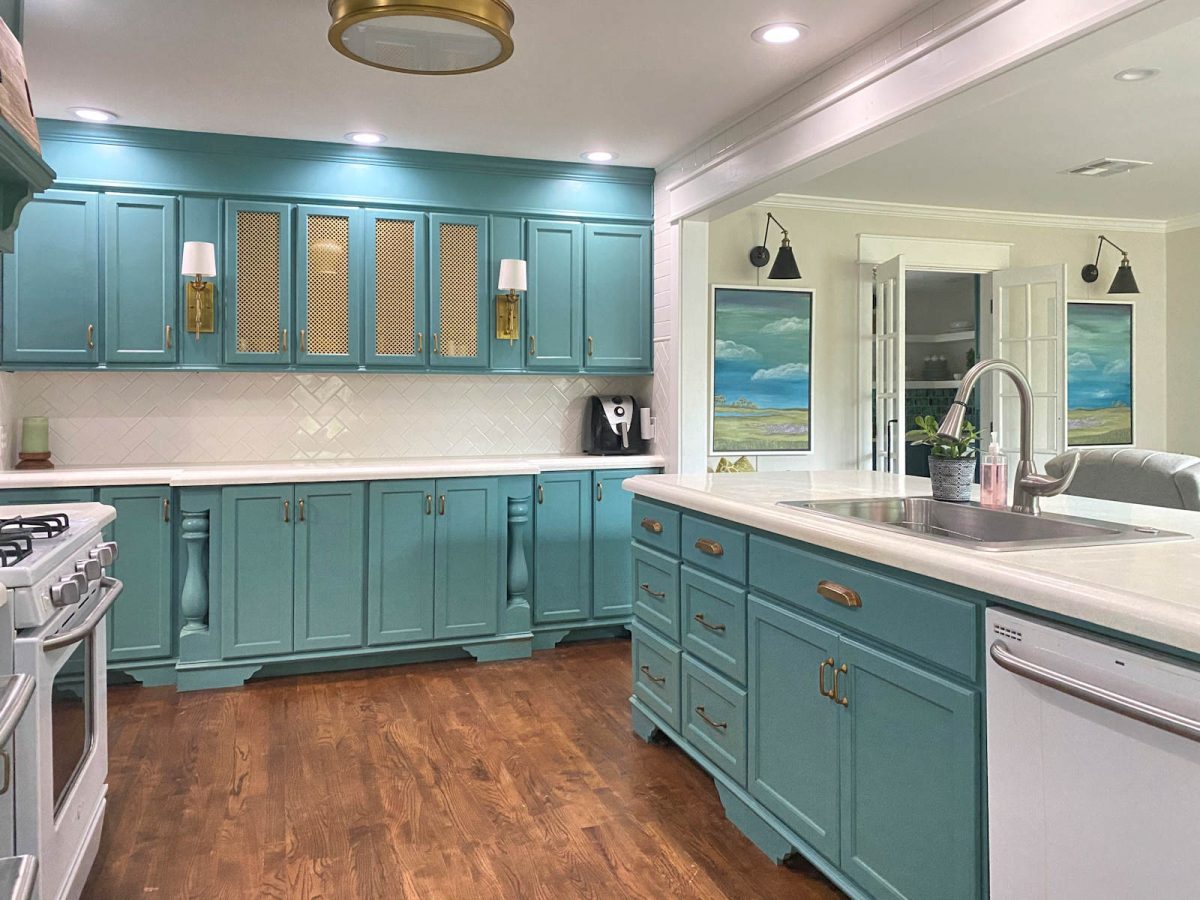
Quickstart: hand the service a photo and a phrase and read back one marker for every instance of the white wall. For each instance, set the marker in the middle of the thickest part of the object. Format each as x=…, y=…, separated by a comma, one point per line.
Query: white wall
x=1183, y=340
x=826, y=245
x=114, y=418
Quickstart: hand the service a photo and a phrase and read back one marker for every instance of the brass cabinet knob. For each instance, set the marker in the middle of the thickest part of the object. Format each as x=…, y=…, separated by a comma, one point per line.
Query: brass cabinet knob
x=839, y=594
x=653, y=526
x=711, y=547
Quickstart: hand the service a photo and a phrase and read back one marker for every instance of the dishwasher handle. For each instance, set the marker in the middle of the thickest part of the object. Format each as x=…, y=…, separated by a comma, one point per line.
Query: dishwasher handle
x=1126, y=706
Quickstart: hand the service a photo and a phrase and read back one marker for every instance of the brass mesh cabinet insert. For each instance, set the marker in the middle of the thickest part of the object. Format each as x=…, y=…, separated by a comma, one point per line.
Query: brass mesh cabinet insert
x=258, y=241
x=329, y=271
x=397, y=288
x=459, y=307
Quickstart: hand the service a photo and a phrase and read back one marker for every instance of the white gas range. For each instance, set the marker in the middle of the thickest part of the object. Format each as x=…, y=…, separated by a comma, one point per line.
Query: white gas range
x=53, y=561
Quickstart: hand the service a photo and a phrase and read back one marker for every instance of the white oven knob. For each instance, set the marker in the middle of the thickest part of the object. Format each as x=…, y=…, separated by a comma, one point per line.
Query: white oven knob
x=89, y=568
x=66, y=592
x=105, y=554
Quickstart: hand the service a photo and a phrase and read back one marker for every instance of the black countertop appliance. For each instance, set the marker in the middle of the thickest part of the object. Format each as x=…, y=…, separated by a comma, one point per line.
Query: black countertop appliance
x=612, y=426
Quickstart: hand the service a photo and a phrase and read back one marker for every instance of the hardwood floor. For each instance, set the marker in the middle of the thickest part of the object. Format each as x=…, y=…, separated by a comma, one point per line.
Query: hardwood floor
x=440, y=780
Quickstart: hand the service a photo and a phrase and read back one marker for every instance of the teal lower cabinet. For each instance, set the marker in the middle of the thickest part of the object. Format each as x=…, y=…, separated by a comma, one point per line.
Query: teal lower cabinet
x=330, y=565
x=400, y=558
x=466, y=558
x=837, y=706
x=258, y=560
x=25, y=496
x=612, y=576
x=140, y=624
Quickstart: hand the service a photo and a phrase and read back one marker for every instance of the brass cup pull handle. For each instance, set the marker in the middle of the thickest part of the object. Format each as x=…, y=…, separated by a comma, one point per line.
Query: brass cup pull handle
x=91, y=337
x=287, y=511
x=657, y=679
x=441, y=504
x=723, y=726
x=839, y=594
x=429, y=504
x=657, y=595
x=711, y=547
x=699, y=617
x=541, y=494
x=837, y=678
x=653, y=526
x=825, y=692
x=168, y=331
x=300, y=510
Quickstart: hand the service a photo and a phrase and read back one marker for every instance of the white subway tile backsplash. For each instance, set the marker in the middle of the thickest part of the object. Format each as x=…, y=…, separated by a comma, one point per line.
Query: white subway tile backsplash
x=116, y=418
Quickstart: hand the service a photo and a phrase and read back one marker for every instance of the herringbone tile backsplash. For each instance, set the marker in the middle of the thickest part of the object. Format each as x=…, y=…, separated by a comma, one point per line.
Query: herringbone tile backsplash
x=140, y=418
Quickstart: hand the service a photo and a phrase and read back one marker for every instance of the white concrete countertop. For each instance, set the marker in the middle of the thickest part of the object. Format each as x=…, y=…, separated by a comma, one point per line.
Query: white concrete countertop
x=1149, y=590
x=196, y=475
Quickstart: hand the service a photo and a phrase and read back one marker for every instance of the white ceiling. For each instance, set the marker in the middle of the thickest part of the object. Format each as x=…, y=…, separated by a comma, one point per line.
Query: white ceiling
x=641, y=77
x=1009, y=156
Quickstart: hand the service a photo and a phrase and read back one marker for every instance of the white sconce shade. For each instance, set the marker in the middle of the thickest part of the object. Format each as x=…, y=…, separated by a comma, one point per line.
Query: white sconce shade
x=512, y=275
x=199, y=258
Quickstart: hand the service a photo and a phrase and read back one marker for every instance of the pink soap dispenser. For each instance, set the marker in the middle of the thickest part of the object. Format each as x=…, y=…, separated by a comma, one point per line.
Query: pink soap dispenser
x=993, y=477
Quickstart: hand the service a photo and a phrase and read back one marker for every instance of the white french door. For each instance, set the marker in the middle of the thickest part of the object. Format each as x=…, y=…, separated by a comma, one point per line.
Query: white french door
x=888, y=338
x=1028, y=327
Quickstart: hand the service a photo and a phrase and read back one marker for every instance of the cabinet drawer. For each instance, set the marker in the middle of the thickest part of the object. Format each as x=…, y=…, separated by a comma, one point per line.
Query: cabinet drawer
x=714, y=717
x=656, y=674
x=937, y=627
x=718, y=548
x=656, y=591
x=713, y=622
x=656, y=526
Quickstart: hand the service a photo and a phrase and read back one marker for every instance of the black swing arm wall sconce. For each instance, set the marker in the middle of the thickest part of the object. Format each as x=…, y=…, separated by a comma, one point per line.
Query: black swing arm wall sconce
x=1123, y=282
x=785, y=261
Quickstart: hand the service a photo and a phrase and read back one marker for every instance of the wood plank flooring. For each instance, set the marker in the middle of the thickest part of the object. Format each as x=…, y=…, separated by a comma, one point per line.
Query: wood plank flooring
x=438, y=780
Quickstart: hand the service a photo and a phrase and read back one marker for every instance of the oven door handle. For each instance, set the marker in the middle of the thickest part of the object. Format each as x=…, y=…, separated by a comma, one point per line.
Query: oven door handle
x=113, y=587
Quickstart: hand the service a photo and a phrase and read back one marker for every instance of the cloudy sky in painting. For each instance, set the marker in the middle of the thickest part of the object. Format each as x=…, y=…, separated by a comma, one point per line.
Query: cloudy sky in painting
x=762, y=347
x=1099, y=337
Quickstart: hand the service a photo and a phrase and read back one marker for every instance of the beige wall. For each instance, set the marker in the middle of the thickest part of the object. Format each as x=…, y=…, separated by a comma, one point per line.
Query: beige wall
x=826, y=245
x=1183, y=340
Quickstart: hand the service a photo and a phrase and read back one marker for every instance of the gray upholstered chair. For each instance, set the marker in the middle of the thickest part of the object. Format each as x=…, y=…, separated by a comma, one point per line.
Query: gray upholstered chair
x=1129, y=475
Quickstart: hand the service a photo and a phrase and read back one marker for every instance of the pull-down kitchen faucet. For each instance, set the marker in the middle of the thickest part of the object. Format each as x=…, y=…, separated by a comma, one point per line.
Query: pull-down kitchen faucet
x=1029, y=486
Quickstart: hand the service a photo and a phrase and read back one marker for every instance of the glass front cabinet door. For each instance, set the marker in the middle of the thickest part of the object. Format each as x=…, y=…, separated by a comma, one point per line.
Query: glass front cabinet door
x=258, y=270
x=329, y=271
x=459, y=316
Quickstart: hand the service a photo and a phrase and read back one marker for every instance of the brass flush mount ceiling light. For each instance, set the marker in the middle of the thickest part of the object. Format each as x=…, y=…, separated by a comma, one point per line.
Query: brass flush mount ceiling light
x=423, y=37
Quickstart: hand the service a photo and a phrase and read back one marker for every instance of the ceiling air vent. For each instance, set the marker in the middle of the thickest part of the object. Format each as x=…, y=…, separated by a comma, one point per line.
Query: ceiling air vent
x=1102, y=168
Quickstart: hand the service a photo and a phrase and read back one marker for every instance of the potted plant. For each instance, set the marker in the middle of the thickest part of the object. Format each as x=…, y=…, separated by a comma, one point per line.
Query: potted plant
x=952, y=463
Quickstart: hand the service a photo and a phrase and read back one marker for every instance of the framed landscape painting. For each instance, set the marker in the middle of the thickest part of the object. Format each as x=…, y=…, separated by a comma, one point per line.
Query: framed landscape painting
x=760, y=378
x=1099, y=374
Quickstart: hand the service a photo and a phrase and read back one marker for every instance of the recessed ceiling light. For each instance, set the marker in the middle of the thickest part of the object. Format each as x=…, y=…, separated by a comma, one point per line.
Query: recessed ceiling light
x=779, y=33
x=91, y=114
x=599, y=156
x=1137, y=74
x=366, y=137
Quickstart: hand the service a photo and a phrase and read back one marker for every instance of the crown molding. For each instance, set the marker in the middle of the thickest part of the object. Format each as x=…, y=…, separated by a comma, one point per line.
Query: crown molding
x=1183, y=223
x=962, y=214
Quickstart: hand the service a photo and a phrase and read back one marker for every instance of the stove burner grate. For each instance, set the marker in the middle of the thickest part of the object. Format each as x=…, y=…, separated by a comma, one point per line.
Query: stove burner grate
x=14, y=548
x=48, y=525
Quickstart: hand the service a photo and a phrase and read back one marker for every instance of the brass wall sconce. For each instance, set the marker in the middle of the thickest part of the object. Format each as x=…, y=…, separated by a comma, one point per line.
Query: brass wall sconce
x=199, y=260
x=508, y=306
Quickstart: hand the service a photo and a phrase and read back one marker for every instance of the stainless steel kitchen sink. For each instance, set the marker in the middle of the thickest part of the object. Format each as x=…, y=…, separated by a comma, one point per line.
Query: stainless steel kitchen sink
x=981, y=528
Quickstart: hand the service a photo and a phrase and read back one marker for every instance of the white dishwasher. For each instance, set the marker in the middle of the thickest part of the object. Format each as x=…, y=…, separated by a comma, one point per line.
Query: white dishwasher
x=1093, y=767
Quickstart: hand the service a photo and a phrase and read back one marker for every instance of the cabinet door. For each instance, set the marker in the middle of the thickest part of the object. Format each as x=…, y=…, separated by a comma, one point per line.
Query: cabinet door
x=910, y=787
x=23, y=496
x=257, y=569
x=612, y=556
x=459, y=315
x=329, y=286
x=141, y=278
x=401, y=557
x=397, y=288
x=617, y=297
x=139, y=624
x=52, y=281
x=258, y=282
x=330, y=562
x=467, y=558
x=793, y=752
x=562, y=550
x=555, y=298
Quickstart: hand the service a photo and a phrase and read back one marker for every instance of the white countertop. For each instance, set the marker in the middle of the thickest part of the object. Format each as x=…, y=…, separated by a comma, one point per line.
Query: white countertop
x=1149, y=590
x=195, y=475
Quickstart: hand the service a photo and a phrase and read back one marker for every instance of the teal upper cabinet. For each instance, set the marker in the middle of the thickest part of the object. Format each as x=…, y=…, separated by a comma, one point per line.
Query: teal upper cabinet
x=329, y=285
x=562, y=550
x=140, y=626
x=612, y=577
x=330, y=549
x=467, y=557
x=459, y=314
x=52, y=281
x=617, y=294
x=397, y=288
x=401, y=562
x=257, y=569
x=257, y=283
x=141, y=275
x=555, y=298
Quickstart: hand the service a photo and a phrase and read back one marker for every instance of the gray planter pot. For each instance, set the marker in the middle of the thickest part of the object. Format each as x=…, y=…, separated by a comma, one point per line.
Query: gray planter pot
x=952, y=478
